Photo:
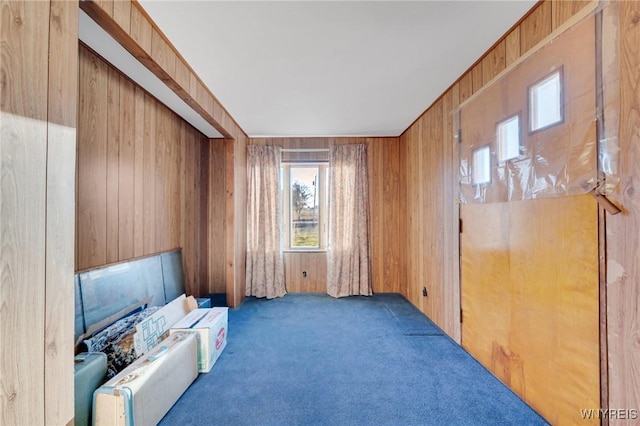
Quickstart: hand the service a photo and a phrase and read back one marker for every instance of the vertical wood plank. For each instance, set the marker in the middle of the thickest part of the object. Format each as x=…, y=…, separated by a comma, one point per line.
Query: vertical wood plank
x=229, y=224
x=623, y=243
x=184, y=197
x=535, y=27
x=23, y=149
x=561, y=11
x=106, y=5
x=189, y=238
x=60, y=210
x=376, y=171
x=217, y=215
x=202, y=193
x=182, y=74
x=161, y=198
x=172, y=181
x=92, y=161
x=451, y=247
x=162, y=53
x=138, y=178
x=390, y=232
x=476, y=73
x=141, y=30
x=240, y=216
x=113, y=147
x=494, y=62
x=126, y=170
x=199, y=201
x=466, y=86
x=512, y=46
x=122, y=14
x=149, y=172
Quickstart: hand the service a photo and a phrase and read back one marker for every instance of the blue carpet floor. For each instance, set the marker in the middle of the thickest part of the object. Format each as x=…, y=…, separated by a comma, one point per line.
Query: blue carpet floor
x=309, y=359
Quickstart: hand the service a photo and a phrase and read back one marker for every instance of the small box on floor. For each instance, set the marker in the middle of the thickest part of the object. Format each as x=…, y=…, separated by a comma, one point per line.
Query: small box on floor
x=210, y=327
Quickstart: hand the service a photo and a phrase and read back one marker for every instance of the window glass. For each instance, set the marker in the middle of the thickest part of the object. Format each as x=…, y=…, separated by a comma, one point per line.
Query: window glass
x=305, y=200
x=545, y=102
x=481, y=165
x=508, y=138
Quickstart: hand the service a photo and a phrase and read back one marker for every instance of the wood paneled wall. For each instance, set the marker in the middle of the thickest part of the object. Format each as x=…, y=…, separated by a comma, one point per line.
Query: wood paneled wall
x=623, y=297
x=128, y=23
x=37, y=150
x=429, y=158
x=623, y=230
x=143, y=176
x=386, y=212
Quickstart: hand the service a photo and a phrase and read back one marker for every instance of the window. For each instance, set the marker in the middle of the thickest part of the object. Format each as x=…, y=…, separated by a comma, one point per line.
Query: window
x=545, y=102
x=304, y=205
x=481, y=165
x=508, y=138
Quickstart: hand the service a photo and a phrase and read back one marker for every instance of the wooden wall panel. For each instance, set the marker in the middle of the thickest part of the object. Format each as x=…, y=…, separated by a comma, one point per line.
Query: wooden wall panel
x=466, y=86
x=427, y=185
x=416, y=142
x=201, y=215
x=138, y=174
x=60, y=219
x=37, y=123
x=149, y=172
x=494, y=62
x=91, y=203
x=126, y=170
x=623, y=230
x=133, y=176
x=217, y=278
x=512, y=46
x=23, y=150
x=240, y=218
x=536, y=26
x=315, y=266
x=113, y=155
x=561, y=11
x=143, y=39
x=384, y=158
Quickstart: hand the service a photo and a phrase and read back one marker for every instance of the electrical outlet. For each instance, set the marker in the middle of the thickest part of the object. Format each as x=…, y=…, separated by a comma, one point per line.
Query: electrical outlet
x=304, y=274
x=424, y=291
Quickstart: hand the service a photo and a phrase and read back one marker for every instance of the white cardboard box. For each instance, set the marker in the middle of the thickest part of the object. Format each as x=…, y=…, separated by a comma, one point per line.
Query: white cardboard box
x=156, y=327
x=210, y=327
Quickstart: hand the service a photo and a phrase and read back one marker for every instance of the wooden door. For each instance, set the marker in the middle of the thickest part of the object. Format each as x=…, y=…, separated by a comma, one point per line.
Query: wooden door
x=529, y=274
x=529, y=256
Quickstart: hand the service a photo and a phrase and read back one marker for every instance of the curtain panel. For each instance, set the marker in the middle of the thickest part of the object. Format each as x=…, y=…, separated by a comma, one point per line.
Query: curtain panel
x=348, y=269
x=265, y=267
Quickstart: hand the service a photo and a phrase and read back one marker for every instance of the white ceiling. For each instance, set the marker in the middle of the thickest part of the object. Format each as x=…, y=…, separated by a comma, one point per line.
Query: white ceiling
x=331, y=68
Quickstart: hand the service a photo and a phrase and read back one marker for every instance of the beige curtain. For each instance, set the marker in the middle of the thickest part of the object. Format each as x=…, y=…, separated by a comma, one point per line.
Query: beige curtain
x=348, y=251
x=265, y=270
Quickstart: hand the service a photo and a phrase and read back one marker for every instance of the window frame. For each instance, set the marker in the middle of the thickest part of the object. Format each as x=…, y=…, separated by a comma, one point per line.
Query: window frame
x=287, y=204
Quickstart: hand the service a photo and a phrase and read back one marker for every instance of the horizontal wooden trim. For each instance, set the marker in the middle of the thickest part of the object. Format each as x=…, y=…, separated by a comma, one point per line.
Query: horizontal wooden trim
x=103, y=19
x=181, y=58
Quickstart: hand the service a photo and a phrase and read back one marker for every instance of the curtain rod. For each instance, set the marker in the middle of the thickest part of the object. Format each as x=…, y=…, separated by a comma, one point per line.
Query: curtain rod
x=305, y=150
